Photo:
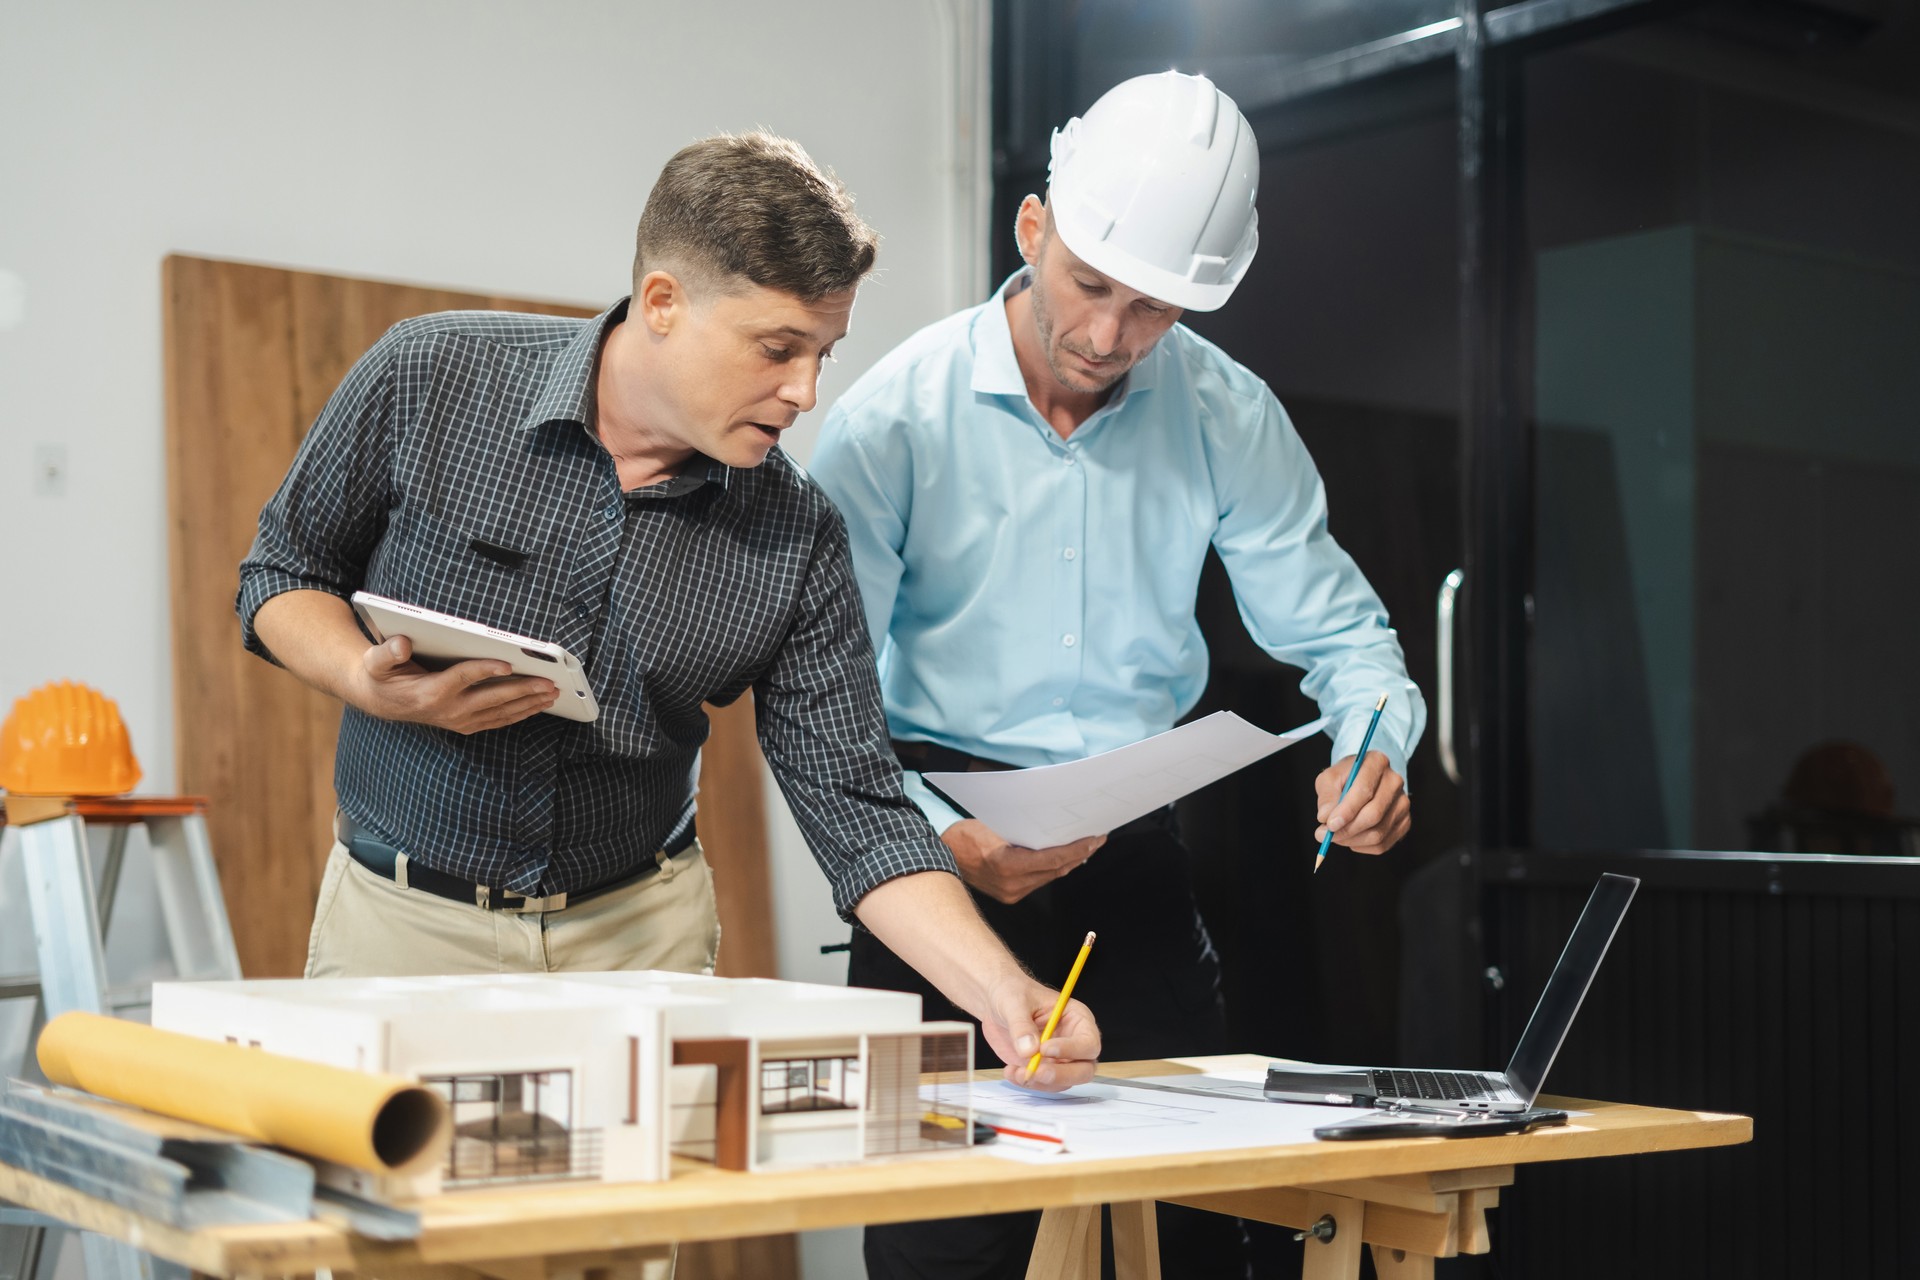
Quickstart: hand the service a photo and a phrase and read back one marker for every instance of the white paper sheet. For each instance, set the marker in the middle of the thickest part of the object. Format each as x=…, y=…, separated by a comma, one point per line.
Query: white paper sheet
x=1058, y=803
x=1104, y=1121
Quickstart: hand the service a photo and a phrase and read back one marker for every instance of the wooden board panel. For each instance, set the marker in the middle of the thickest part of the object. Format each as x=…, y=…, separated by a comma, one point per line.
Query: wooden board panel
x=242, y=731
x=733, y=830
x=252, y=353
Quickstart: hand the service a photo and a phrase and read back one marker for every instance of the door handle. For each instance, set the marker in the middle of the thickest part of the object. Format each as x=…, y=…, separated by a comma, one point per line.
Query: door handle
x=1443, y=686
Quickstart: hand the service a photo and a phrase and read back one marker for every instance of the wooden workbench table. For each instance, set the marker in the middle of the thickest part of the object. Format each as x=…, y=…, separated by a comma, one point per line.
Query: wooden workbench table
x=1412, y=1199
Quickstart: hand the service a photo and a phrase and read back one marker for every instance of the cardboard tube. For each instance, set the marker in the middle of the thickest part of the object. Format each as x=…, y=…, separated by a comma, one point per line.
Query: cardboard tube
x=384, y=1124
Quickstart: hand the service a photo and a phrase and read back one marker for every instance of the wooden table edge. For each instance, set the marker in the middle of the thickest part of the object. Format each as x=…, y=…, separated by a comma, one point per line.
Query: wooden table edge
x=711, y=1204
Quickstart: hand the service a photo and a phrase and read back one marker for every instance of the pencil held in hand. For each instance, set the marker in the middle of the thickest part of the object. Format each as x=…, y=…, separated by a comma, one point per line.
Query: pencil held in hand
x=1353, y=773
x=1060, y=1005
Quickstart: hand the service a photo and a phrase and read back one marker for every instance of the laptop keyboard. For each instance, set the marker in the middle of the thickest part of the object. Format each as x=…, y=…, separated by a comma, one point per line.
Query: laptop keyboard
x=1440, y=1086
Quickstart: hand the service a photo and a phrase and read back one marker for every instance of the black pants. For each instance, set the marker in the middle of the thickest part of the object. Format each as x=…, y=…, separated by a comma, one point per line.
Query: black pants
x=1153, y=981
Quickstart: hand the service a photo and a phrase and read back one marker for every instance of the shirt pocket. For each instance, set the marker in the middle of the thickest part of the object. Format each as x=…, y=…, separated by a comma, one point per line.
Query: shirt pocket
x=500, y=577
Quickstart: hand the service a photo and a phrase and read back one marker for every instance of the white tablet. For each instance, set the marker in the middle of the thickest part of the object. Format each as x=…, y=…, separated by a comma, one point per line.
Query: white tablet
x=440, y=640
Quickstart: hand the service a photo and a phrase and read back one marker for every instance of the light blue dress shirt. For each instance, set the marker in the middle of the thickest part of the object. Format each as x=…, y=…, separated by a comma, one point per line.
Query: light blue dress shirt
x=1032, y=599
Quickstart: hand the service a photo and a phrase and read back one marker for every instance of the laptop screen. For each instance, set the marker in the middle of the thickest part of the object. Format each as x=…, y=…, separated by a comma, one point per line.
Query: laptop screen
x=1568, y=985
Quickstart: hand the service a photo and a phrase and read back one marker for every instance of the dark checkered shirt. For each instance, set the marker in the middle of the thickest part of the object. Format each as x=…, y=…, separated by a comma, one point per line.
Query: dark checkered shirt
x=470, y=429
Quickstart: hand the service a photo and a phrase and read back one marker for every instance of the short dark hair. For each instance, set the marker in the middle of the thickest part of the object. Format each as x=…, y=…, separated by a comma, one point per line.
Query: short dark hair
x=753, y=206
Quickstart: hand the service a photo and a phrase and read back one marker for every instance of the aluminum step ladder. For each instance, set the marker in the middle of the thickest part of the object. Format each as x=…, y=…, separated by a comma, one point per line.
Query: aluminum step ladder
x=70, y=917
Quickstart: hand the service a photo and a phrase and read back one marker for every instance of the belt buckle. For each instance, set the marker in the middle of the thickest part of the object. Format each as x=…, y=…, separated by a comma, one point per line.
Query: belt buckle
x=517, y=904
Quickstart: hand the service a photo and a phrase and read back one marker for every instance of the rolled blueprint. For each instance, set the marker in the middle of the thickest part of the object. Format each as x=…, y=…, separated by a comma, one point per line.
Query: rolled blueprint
x=385, y=1124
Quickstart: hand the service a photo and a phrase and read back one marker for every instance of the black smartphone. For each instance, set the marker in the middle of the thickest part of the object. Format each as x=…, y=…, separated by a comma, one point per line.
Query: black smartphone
x=1429, y=1124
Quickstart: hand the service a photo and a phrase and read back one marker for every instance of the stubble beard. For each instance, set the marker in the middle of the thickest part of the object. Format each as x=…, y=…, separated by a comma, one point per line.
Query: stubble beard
x=1071, y=379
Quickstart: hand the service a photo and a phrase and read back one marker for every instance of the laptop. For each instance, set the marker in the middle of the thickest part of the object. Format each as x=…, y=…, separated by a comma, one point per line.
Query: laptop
x=1516, y=1087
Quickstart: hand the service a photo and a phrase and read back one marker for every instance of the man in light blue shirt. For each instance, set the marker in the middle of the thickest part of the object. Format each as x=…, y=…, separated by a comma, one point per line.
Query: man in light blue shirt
x=1031, y=487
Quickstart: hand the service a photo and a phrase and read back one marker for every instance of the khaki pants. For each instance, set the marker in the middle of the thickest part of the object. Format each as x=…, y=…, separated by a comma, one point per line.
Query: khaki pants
x=366, y=927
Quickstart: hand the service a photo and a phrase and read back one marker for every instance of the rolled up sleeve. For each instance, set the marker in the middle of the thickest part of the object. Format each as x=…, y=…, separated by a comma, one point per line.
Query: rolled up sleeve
x=825, y=737
x=321, y=526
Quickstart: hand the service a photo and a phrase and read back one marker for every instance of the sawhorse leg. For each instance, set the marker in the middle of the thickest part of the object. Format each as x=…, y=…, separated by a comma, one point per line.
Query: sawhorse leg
x=1408, y=1220
x=1068, y=1246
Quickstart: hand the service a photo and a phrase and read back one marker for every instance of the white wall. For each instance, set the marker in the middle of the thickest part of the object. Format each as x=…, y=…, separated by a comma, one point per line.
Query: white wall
x=476, y=144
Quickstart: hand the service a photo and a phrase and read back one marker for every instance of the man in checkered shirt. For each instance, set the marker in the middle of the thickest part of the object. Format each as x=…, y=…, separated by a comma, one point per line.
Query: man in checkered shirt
x=612, y=485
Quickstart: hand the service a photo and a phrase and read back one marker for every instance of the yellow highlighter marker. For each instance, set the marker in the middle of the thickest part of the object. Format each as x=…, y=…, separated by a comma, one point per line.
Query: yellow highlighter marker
x=1060, y=1005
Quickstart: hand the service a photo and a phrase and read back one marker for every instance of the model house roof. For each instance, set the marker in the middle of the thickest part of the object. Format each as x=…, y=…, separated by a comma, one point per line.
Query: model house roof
x=694, y=1005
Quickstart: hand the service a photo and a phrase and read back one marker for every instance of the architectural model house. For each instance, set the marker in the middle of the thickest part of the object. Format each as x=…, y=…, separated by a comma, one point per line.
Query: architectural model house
x=608, y=1075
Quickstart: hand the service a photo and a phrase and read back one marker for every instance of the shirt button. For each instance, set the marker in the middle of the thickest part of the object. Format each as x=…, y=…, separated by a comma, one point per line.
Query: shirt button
x=1067, y=640
x=613, y=513
x=1069, y=553
x=1059, y=702
x=1067, y=458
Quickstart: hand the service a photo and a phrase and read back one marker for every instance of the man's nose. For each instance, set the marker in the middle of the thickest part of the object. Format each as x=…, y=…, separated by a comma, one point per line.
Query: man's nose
x=1103, y=334
x=802, y=390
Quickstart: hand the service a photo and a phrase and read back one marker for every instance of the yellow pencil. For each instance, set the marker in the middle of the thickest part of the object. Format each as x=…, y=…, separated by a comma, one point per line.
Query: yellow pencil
x=1060, y=1005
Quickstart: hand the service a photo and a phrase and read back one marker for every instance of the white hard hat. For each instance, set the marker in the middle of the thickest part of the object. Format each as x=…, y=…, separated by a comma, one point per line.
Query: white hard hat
x=1154, y=186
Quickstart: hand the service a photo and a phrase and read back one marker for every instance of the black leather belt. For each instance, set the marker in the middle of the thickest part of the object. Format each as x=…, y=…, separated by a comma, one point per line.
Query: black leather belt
x=381, y=858
x=931, y=757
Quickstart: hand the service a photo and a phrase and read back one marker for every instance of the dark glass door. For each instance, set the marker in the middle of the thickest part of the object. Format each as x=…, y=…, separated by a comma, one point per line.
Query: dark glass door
x=1721, y=275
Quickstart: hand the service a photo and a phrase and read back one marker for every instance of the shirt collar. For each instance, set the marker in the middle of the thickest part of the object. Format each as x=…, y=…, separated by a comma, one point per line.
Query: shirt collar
x=996, y=369
x=568, y=393
x=699, y=470
x=569, y=390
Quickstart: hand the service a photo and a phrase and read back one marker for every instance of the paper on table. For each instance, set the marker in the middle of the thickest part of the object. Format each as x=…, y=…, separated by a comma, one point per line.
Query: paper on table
x=1107, y=1120
x=1059, y=803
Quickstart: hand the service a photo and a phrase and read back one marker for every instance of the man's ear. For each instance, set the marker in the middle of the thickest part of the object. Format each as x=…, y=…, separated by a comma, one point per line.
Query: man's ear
x=1030, y=229
x=659, y=302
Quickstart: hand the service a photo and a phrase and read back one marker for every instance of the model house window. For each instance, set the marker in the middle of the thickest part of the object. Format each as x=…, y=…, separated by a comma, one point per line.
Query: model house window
x=514, y=1126
x=809, y=1084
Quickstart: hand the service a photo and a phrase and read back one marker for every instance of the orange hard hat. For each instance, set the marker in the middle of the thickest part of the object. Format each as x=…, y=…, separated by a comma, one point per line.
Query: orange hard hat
x=66, y=739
